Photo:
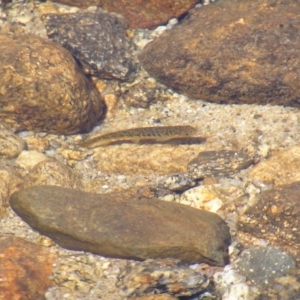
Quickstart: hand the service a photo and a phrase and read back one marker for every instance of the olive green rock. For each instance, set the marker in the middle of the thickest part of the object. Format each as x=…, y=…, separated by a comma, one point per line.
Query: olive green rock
x=114, y=226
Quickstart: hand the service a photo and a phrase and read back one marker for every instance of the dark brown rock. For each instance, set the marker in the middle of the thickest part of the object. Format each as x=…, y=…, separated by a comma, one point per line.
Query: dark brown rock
x=218, y=163
x=232, y=52
x=24, y=269
x=43, y=89
x=140, y=14
x=97, y=40
x=123, y=228
x=276, y=217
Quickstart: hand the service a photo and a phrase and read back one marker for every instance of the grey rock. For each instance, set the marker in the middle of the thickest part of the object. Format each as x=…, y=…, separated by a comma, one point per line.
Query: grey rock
x=97, y=40
x=218, y=163
x=43, y=89
x=261, y=264
x=124, y=228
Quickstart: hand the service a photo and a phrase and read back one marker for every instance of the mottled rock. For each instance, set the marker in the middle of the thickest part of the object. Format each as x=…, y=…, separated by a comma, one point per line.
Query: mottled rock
x=10, y=144
x=262, y=264
x=123, y=228
x=52, y=172
x=161, y=276
x=232, y=285
x=146, y=92
x=24, y=269
x=281, y=168
x=232, y=52
x=218, y=163
x=275, y=216
x=284, y=287
x=97, y=40
x=43, y=89
x=177, y=182
x=140, y=14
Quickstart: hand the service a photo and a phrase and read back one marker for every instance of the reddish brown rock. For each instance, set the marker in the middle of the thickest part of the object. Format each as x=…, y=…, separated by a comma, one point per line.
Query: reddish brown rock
x=43, y=89
x=140, y=14
x=24, y=269
x=124, y=228
x=276, y=217
x=232, y=52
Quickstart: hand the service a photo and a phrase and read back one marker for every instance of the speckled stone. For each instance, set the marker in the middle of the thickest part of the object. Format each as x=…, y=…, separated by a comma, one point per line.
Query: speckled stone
x=122, y=227
x=97, y=40
x=161, y=276
x=43, y=89
x=232, y=52
x=146, y=92
x=275, y=216
x=24, y=269
x=140, y=14
x=10, y=144
x=262, y=264
x=53, y=172
x=218, y=163
x=177, y=182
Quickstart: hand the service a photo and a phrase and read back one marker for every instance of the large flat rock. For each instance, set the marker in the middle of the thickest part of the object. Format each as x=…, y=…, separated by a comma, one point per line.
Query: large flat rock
x=115, y=226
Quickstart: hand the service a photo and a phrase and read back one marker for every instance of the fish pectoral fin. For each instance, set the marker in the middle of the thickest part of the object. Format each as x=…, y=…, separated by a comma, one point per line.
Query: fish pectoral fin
x=136, y=140
x=163, y=138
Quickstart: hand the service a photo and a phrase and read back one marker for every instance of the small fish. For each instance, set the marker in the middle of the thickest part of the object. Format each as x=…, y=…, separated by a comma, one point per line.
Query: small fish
x=151, y=135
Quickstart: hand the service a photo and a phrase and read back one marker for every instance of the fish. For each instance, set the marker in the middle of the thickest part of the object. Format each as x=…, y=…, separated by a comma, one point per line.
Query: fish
x=147, y=135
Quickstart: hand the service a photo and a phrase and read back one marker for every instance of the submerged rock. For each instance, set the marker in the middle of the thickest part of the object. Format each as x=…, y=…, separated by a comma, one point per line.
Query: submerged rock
x=262, y=264
x=275, y=216
x=123, y=228
x=140, y=14
x=24, y=269
x=43, y=89
x=232, y=52
x=97, y=40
